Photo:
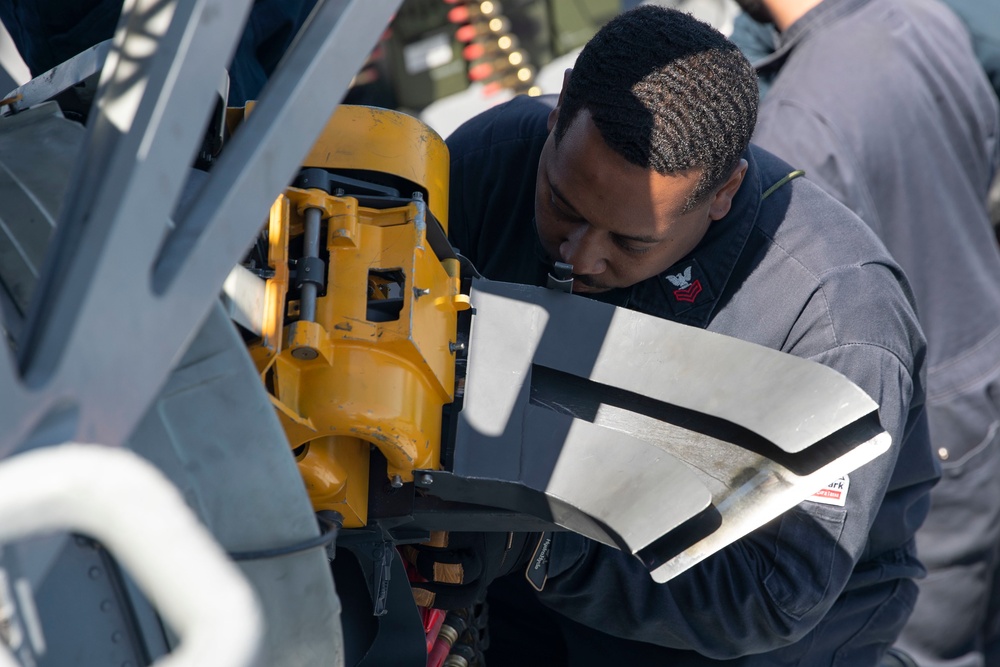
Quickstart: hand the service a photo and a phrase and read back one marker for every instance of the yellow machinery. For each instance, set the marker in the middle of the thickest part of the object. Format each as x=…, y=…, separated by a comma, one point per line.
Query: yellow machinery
x=364, y=355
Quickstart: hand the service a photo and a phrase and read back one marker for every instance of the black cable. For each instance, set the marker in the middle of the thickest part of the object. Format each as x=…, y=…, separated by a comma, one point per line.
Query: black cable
x=329, y=522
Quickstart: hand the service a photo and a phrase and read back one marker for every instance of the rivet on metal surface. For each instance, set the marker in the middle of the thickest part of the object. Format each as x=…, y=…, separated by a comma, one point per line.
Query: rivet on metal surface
x=305, y=353
x=426, y=480
x=397, y=482
x=943, y=453
x=420, y=291
x=456, y=347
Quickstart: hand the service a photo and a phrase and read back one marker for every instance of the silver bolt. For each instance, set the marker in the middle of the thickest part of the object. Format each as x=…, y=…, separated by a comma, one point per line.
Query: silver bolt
x=420, y=291
x=426, y=479
x=456, y=347
x=396, y=482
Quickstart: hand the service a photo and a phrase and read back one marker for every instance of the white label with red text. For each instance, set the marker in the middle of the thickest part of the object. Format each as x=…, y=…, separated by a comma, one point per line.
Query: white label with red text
x=834, y=493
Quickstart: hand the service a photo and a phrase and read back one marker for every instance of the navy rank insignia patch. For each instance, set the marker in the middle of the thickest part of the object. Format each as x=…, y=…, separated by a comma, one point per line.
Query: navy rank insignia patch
x=687, y=290
x=686, y=286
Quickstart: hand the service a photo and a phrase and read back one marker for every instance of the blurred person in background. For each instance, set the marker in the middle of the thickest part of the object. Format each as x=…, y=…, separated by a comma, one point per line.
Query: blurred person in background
x=885, y=105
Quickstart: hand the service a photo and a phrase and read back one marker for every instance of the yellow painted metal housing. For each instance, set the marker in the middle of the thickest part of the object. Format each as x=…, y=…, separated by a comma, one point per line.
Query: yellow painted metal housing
x=389, y=142
x=344, y=382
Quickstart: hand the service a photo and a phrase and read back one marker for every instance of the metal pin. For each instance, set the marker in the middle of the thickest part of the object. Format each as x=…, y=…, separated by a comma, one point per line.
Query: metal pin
x=310, y=248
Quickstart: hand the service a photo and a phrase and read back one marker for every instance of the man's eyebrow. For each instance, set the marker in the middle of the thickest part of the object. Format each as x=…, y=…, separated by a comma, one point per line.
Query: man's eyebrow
x=639, y=239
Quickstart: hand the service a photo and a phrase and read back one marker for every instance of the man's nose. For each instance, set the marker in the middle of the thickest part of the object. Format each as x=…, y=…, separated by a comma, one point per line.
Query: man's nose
x=584, y=249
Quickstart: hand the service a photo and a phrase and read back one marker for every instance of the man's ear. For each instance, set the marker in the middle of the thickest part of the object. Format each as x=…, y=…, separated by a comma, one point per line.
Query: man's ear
x=722, y=200
x=554, y=114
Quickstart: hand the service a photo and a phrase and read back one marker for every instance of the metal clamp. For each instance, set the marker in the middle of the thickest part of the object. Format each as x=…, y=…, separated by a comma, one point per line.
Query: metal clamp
x=561, y=277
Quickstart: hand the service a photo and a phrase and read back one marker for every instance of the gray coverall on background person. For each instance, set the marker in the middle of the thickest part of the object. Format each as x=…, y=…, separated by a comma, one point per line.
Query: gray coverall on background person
x=981, y=18
x=884, y=105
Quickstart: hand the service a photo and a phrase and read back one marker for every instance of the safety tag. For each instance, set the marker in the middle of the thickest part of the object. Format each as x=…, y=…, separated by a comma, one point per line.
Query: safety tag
x=834, y=493
x=538, y=568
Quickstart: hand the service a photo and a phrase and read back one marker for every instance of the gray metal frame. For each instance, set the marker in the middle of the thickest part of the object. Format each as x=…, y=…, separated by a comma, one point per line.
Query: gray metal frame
x=666, y=441
x=118, y=335
x=124, y=257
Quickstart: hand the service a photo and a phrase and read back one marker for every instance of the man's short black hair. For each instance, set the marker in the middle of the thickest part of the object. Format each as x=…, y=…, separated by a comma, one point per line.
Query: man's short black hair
x=667, y=92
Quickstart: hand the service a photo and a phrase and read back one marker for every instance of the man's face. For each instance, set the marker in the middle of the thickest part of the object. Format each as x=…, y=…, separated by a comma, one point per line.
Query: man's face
x=756, y=10
x=615, y=222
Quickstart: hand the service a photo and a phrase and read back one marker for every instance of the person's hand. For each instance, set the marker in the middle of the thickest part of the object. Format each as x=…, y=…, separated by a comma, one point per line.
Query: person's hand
x=459, y=566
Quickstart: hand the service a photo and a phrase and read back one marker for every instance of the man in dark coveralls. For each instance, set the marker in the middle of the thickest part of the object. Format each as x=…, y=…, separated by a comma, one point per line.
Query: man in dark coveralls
x=642, y=173
x=885, y=105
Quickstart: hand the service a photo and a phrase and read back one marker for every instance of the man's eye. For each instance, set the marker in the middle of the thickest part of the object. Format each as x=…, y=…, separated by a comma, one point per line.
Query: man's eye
x=631, y=247
x=562, y=213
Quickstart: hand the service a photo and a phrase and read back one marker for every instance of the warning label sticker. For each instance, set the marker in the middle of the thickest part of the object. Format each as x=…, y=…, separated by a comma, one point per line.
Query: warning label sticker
x=834, y=493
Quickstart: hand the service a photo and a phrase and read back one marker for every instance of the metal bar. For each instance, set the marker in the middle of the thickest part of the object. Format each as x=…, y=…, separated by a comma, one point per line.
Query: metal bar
x=770, y=492
x=269, y=147
x=158, y=88
x=98, y=277
x=791, y=402
x=59, y=78
x=310, y=248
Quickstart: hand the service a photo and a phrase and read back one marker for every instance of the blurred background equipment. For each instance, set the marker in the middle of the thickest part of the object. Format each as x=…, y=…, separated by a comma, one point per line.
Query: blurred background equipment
x=437, y=48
